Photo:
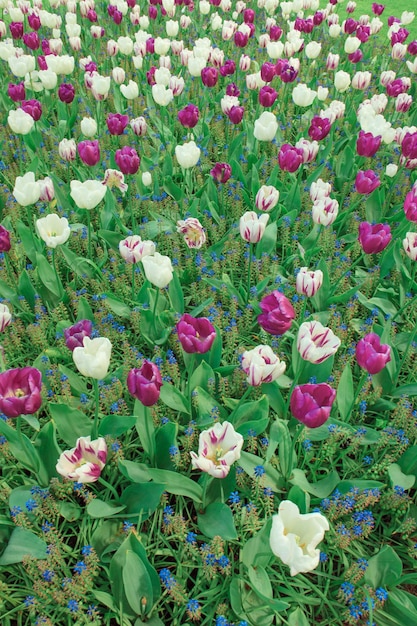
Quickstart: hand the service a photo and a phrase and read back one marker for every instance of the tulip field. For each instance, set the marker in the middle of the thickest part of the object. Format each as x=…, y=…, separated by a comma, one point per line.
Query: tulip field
x=208, y=350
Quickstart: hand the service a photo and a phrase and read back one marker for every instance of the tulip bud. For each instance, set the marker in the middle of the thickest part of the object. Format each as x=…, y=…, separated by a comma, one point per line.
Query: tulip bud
x=196, y=334
x=371, y=355
x=307, y=282
x=311, y=404
x=145, y=383
x=266, y=198
x=158, y=269
x=277, y=313
x=5, y=317
x=374, y=237
x=252, y=227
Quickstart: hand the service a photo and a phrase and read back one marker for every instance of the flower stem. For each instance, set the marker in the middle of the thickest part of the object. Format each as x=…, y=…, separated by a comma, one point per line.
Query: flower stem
x=249, y=272
x=89, y=234
x=108, y=486
x=94, y=432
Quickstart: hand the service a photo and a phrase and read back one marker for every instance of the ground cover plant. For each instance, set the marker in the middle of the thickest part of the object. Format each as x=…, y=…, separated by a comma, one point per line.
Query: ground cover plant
x=208, y=322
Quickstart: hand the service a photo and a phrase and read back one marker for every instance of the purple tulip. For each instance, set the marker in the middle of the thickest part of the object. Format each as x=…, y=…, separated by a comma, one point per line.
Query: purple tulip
x=188, y=116
x=89, y=152
x=356, y=57
x=318, y=18
x=16, y=92
x=374, y=237
x=311, y=404
x=363, y=33
x=268, y=72
x=277, y=313
x=16, y=30
x=92, y=16
x=209, y=76
x=74, y=335
x=400, y=36
x=409, y=146
x=66, y=93
x=290, y=158
x=367, y=145
x=412, y=48
x=249, y=16
x=228, y=68
x=34, y=21
x=410, y=205
x=116, y=123
x=221, y=172
x=395, y=87
x=144, y=383
x=33, y=108
x=150, y=75
x=275, y=33
x=128, y=160
x=232, y=90
x=319, y=128
x=267, y=96
x=235, y=114
x=31, y=40
x=20, y=391
x=5, y=244
x=371, y=355
x=287, y=73
x=366, y=181
x=240, y=39
x=350, y=26
x=377, y=9
x=196, y=334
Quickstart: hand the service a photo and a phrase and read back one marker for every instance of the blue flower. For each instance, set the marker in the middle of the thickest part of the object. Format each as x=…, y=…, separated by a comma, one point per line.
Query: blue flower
x=72, y=605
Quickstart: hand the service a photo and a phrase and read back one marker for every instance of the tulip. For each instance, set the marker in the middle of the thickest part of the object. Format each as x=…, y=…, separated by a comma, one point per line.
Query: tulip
x=158, y=269
x=235, y=114
x=130, y=91
x=187, y=154
x=139, y=126
x=54, y=230
x=188, y=116
x=26, y=190
x=145, y=383
x=128, y=160
x=309, y=149
x=147, y=179
x=162, y=95
x=366, y=181
x=308, y=283
x=89, y=152
x=319, y=128
x=66, y=93
x=261, y=365
x=311, y=404
x=325, y=210
x=221, y=172
x=294, y=537
x=371, y=355
x=193, y=231
x=252, y=227
x=266, y=127
x=32, y=108
x=410, y=246
x=219, y=447
x=116, y=123
x=20, y=122
x=377, y=9
x=209, y=76
x=266, y=198
x=20, y=391
x=277, y=313
x=267, y=96
x=316, y=343
x=367, y=145
x=303, y=96
x=85, y=462
x=74, y=335
x=67, y=149
x=268, y=72
x=361, y=80
x=290, y=158
x=196, y=334
x=409, y=145
x=5, y=317
x=114, y=178
x=410, y=205
x=320, y=189
x=5, y=244
x=16, y=92
x=87, y=195
x=93, y=358
x=47, y=189
x=133, y=249
x=342, y=81
x=374, y=237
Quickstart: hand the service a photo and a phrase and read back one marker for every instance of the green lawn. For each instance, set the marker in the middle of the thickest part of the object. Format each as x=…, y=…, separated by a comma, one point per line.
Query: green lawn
x=391, y=8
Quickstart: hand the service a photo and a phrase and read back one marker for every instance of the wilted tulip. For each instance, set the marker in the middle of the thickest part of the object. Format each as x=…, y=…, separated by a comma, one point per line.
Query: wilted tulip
x=85, y=462
x=144, y=383
x=371, y=355
x=196, y=334
x=316, y=342
x=261, y=365
x=277, y=313
x=219, y=447
x=20, y=391
x=294, y=537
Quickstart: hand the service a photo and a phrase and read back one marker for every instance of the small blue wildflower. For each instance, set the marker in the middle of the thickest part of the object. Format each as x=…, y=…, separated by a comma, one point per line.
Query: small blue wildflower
x=72, y=605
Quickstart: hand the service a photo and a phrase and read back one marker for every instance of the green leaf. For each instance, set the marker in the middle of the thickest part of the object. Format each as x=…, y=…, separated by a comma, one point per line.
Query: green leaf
x=271, y=478
x=99, y=508
x=77, y=383
x=106, y=599
x=345, y=393
x=268, y=243
x=276, y=401
x=173, y=481
x=71, y=423
x=142, y=499
x=398, y=479
x=81, y=266
x=49, y=451
x=117, y=306
x=84, y=311
x=26, y=289
x=217, y=519
x=346, y=485
x=173, y=398
x=256, y=551
x=70, y=511
x=48, y=277
x=384, y=569
x=21, y=447
x=405, y=390
x=165, y=438
x=300, y=497
x=298, y=618
x=201, y=376
x=321, y=489
x=250, y=411
x=23, y=543
x=137, y=584
x=408, y=461
x=145, y=429
x=116, y=425
x=176, y=294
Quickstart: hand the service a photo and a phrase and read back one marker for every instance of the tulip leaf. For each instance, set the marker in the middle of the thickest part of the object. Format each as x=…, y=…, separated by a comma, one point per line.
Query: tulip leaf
x=137, y=584
x=21, y=447
x=31, y=244
x=321, y=489
x=298, y=618
x=49, y=451
x=173, y=398
x=71, y=423
x=320, y=372
x=173, y=481
x=165, y=439
x=257, y=551
x=70, y=511
x=408, y=461
x=345, y=393
x=217, y=519
x=99, y=508
x=253, y=428
x=201, y=376
x=384, y=569
x=398, y=478
x=77, y=384
x=250, y=411
x=268, y=242
x=23, y=543
x=117, y=306
x=81, y=266
x=142, y=499
x=48, y=277
x=176, y=294
x=116, y=425
x=273, y=393
x=271, y=478
x=346, y=485
x=26, y=289
x=145, y=429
